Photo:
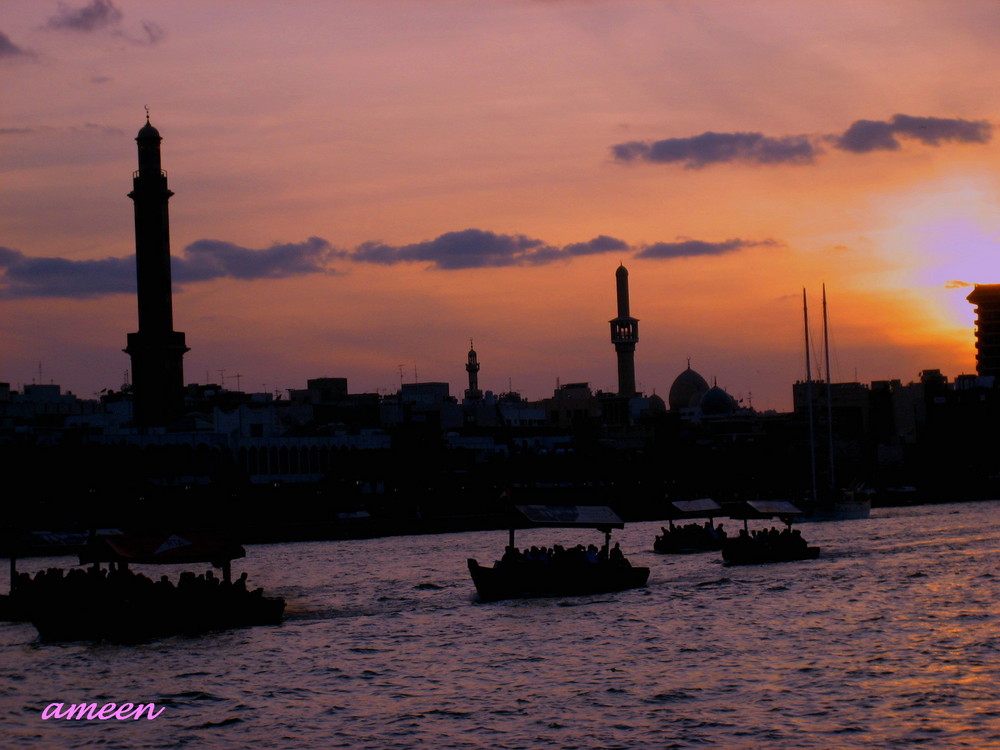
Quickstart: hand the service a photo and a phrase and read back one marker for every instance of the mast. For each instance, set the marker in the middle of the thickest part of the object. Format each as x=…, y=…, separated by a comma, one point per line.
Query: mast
x=809, y=398
x=829, y=390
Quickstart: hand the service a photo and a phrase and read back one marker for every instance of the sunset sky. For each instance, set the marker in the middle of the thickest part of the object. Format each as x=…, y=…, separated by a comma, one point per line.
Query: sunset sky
x=365, y=184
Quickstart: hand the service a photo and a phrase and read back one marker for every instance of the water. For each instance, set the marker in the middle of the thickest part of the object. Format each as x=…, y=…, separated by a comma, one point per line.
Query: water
x=890, y=639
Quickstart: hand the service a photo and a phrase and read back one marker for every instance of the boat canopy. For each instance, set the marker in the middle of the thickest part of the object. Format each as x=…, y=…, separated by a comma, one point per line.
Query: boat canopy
x=704, y=507
x=163, y=548
x=572, y=516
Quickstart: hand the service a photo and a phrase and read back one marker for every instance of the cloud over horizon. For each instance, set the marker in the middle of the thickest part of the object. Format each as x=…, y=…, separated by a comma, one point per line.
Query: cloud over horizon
x=22, y=276
x=863, y=136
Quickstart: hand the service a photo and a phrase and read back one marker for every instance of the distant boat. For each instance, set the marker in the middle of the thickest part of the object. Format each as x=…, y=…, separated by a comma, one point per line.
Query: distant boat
x=561, y=573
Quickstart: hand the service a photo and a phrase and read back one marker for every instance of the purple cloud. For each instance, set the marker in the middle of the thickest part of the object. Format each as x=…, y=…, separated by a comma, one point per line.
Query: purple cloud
x=863, y=136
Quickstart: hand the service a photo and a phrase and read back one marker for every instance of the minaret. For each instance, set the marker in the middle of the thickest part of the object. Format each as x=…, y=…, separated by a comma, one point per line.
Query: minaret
x=472, y=367
x=624, y=335
x=156, y=349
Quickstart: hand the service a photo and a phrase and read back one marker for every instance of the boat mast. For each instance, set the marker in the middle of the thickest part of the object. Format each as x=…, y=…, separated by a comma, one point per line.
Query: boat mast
x=829, y=391
x=809, y=398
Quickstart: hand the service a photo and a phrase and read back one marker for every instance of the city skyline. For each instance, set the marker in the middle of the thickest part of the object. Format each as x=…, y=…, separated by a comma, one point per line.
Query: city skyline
x=371, y=184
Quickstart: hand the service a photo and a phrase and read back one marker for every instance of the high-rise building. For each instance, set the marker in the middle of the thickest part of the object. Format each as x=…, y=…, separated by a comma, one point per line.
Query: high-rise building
x=156, y=349
x=624, y=335
x=986, y=298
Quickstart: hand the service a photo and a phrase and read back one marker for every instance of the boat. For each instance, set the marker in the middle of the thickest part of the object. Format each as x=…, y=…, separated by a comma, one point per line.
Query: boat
x=767, y=547
x=691, y=538
x=574, y=572
x=122, y=606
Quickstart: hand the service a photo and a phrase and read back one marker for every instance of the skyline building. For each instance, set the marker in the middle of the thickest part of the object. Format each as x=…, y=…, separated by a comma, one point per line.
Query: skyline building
x=624, y=335
x=986, y=298
x=156, y=349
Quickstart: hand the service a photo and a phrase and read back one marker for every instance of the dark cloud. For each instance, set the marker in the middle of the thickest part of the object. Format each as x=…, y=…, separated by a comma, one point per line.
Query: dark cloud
x=863, y=136
x=600, y=244
x=470, y=248
x=9, y=50
x=22, y=276
x=874, y=135
x=715, y=148
x=687, y=248
x=214, y=259
x=476, y=248
x=58, y=277
x=95, y=15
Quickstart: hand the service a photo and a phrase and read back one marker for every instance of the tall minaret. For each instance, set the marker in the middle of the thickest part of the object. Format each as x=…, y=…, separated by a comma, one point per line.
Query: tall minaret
x=472, y=367
x=156, y=349
x=624, y=335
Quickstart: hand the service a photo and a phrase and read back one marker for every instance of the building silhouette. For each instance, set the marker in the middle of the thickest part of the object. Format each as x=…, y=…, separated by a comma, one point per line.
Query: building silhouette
x=986, y=298
x=156, y=348
x=624, y=335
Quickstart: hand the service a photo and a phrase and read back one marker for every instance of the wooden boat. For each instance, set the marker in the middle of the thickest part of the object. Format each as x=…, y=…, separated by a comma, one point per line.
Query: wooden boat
x=565, y=573
x=783, y=547
x=118, y=605
x=683, y=540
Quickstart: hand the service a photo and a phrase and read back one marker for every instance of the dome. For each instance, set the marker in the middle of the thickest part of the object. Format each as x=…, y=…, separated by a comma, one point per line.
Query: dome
x=148, y=131
x=657, y=404
x=687, y=390
x=717, y=402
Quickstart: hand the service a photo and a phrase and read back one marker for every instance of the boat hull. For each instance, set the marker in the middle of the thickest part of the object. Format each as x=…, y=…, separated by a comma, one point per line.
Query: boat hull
x=125, y=621
x=528, y=580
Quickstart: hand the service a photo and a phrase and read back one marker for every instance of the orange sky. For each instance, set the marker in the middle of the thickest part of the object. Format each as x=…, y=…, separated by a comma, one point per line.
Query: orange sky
x=409, y=122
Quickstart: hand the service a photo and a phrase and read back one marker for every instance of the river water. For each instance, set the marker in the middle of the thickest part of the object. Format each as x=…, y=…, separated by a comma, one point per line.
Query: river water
x=890, y=639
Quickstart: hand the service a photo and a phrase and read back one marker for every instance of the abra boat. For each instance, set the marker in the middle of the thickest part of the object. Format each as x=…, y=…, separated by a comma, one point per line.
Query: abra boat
x=691, y=538
x=785, y=546
x=119, y=605
x=575, y=572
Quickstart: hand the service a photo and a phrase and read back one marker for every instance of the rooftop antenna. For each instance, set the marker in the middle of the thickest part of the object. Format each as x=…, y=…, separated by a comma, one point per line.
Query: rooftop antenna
x=400, y=368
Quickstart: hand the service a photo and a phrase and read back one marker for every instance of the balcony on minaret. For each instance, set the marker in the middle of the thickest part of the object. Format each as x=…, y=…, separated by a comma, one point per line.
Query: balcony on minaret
x=624, y=331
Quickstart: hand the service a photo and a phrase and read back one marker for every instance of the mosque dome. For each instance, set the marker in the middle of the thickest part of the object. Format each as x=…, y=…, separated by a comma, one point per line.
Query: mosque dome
x=656, y=404
x=687, y=390
x=717, y=403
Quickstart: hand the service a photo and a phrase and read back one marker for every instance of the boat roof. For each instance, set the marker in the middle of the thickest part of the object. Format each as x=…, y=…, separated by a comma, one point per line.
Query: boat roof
x=162, y=548
x=763, y=509
x=700, y=508
x=571, y=516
